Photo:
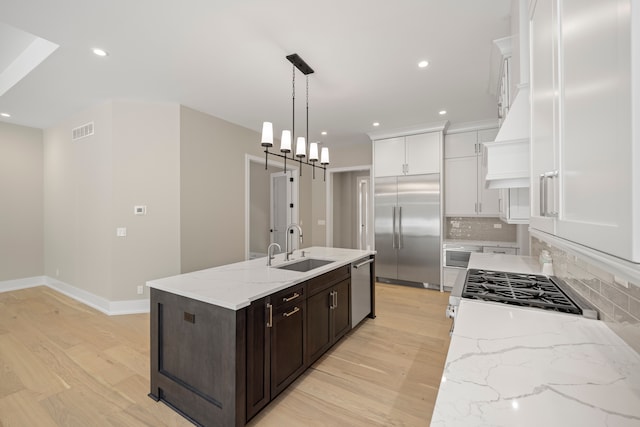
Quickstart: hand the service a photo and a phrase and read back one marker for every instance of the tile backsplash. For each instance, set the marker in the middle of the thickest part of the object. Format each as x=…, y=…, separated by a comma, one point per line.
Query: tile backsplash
x=483, y=229
x=617, y=305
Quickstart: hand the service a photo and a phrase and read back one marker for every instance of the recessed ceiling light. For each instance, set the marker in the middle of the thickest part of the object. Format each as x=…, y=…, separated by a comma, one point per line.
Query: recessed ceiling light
x=442, y=112
x=100, y=52
x=5, y=114
x=376, y=124
x=324, y=132
x=423, y=64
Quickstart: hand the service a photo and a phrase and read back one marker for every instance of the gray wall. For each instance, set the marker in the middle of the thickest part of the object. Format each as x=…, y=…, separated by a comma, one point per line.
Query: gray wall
x=91, y=187
x=341, y=156
x=345, y=209
x=21, y=201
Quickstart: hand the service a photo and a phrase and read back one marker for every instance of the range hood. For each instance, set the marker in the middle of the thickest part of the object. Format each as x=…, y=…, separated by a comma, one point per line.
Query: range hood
x=508, y=156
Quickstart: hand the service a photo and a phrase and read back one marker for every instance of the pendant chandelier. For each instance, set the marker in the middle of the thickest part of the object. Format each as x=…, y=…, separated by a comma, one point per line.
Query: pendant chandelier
x=302, y=143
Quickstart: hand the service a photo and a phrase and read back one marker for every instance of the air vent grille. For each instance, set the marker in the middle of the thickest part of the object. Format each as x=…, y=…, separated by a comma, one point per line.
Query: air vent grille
x=82, y=131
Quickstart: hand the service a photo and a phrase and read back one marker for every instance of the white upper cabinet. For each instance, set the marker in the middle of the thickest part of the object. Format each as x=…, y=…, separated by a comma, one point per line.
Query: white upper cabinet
x=544, y=120
x=408, y=155
x=465, y=171
x=584, y=94
x=389, y=158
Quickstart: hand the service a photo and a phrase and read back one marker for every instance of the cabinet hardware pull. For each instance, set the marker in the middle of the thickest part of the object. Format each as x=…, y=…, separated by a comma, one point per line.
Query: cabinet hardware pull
x=543, y=196
x=291, y=298
x=270, y=322
x=479, y=207
x=476, y=207
x=292, y=312
x=331, y=300
x=335, y=299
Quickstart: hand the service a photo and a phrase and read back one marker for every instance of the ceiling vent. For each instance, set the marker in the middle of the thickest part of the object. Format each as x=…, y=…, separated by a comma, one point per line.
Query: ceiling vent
x=82, y=131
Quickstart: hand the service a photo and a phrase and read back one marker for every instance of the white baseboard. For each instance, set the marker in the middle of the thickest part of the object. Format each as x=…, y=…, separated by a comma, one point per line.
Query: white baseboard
x=27, y=282
x=110, y=308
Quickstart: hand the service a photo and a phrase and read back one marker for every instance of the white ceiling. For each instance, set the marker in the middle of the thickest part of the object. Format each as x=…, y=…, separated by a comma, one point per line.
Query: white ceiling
x=227, y=58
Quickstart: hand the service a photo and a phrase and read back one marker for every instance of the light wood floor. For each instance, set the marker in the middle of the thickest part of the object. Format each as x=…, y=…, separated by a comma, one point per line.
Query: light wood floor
x=65, y=364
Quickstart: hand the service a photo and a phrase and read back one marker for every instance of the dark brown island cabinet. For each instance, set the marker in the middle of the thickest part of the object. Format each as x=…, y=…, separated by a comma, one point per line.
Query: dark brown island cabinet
x=220, y=367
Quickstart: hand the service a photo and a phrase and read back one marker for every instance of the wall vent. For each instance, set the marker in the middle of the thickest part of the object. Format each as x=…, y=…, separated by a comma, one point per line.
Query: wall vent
x=82, y=131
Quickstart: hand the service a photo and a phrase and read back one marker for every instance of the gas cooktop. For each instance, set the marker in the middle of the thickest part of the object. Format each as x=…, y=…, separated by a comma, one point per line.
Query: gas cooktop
x=526, y=290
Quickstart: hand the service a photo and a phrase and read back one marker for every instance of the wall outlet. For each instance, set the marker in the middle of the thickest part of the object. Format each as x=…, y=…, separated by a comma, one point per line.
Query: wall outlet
x=498, y=225
x=620, y=281
x=140, y=210
x=321, y=222
x=121, y=231
x=140, y=290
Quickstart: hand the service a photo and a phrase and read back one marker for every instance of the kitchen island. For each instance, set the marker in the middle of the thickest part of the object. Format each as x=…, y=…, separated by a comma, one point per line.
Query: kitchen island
x=510, y=365
x=225, y=341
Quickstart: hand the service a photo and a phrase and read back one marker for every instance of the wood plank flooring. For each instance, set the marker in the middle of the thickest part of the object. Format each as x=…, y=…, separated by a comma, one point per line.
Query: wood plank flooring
x=65, y=364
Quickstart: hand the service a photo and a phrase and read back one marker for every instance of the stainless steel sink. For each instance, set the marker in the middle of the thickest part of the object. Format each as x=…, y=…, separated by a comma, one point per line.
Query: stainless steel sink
x=305, y=264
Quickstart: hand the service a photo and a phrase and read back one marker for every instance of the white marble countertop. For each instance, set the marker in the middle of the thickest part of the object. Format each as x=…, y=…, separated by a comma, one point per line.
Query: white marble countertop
x=234, y=286
x=514, y=366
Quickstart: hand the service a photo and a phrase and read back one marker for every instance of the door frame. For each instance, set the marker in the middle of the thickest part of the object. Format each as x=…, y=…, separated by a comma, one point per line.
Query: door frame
x=329, y=200
x=247, y=190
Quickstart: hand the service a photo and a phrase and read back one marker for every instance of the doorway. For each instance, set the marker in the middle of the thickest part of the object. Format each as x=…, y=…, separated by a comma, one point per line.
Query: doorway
x=271, y=203
x=350, y=208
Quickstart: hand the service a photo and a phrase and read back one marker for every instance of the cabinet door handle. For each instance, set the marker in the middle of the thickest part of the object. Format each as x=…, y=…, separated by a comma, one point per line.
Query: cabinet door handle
x=291, y=298
x=476, y=207
x=292, y=312
x=331, y=300
x=335, y=299
x=543, y=195
x=553, y=176
x=479, y=207
x=270, y=322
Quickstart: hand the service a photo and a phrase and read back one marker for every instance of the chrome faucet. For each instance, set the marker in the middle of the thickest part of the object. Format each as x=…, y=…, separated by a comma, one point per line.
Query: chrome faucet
x=287, y=245
x=269, y=256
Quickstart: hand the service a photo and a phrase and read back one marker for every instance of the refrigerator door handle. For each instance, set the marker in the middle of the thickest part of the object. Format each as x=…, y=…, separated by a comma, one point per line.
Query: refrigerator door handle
x=393, y=230
x=400, y=243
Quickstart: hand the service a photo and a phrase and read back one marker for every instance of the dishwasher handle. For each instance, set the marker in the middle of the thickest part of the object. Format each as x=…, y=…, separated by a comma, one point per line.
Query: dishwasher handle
x=363, y=263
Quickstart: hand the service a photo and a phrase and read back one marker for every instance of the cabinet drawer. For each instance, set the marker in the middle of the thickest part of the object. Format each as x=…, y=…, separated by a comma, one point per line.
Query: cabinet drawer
x=289, y=296
x=319, y=283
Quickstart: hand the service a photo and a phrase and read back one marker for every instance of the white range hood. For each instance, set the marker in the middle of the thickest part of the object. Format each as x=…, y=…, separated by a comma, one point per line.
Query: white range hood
x=508, y=156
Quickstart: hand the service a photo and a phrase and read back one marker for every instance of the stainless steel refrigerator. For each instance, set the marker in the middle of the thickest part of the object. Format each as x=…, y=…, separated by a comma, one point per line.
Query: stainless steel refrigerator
x=407, y=228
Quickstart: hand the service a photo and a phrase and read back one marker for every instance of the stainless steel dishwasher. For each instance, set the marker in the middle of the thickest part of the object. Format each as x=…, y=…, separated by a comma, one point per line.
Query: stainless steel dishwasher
x=360, y=290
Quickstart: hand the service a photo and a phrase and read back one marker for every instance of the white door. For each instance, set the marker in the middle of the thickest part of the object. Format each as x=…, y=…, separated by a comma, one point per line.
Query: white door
x=278, y=210
x=364, y=213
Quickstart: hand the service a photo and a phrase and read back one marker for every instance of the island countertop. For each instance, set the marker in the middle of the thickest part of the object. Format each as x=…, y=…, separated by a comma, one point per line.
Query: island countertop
x=234, y=286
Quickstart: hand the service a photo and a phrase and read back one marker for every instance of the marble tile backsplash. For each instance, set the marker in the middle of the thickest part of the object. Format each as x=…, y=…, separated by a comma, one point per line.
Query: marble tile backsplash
x=617, y=305
x=484, y=229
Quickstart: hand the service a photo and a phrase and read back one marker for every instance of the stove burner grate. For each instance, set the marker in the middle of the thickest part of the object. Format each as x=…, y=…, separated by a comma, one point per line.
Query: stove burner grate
x=527, y=290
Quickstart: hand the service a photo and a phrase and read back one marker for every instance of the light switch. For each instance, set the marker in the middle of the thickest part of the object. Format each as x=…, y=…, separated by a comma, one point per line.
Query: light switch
x=121, y=231
x=321, y=222
x=140, y=210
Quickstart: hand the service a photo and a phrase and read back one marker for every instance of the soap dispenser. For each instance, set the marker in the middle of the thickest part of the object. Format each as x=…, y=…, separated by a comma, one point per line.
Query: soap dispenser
x=546, y=263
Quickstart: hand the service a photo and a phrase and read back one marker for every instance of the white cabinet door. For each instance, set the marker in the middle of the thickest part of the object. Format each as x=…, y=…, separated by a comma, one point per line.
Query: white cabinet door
x=423, y=153
x=389, y=157
x=595, y=169
x=464, y=144
x=461, y=186
x=544, y=107
x=514, y=205
x=488, y=200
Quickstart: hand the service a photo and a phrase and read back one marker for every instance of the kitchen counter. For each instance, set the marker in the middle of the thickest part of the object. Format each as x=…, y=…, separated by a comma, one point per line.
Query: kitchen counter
x=510, y=365
x=234, y=286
